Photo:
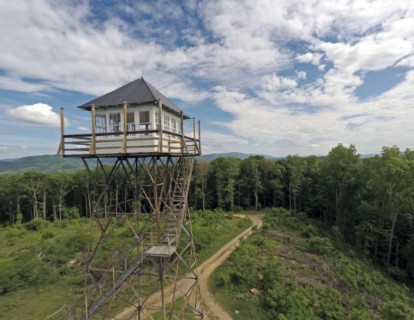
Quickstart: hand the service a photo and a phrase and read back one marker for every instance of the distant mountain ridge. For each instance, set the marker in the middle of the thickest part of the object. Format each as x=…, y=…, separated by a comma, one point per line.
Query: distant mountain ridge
x=52, y=163
x=43, y=163
x=239, y=155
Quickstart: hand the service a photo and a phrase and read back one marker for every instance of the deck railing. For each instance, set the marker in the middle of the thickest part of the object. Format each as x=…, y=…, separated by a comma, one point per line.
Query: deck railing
x=130, y=142
x=130, y=138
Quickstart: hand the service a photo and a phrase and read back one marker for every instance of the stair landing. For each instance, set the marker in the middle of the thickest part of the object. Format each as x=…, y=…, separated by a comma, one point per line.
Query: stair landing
x=161, y=251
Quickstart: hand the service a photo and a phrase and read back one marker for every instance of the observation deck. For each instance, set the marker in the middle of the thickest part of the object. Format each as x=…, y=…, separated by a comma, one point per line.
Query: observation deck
x=133, y=120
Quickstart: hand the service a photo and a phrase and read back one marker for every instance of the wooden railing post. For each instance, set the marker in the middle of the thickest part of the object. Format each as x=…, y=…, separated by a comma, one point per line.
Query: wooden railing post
x=182, y=132
x=160, y=142
x=62, y=132
x=194, y=136
x=93, y=142
x=125, y=127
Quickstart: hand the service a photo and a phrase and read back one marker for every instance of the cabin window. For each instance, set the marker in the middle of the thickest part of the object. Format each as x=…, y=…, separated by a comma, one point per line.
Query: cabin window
x=157, y=120
x=178, y=126
x=144, y=120
x=173, y=125
x=130, y=121
x=100, y=121
x=166, y=122
x=114, y=124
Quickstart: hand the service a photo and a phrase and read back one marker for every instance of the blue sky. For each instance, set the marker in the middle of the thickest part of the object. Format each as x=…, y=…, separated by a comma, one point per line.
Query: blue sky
x=265, y=77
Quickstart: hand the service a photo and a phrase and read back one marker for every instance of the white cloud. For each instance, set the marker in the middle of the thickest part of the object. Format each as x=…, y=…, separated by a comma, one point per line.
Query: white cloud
x=38, y=113
x=184, y=92
x=310, y=57
x=274, y=82
x=219, y=142
x=17, y=84
x=243, y=59
x=301, y=74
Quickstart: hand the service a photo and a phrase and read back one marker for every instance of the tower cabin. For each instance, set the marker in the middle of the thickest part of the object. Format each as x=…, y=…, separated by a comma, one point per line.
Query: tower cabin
x=133, y=120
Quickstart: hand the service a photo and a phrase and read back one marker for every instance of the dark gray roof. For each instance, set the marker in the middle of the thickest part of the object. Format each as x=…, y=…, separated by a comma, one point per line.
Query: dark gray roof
x=134, y=93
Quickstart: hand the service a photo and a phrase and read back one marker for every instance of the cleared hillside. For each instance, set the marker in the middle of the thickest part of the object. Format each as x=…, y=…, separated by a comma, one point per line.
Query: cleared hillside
x=41, y=263
x=292, y=269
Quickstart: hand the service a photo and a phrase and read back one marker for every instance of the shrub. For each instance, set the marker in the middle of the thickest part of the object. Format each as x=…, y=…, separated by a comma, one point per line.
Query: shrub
x=223, y=279
x=319, y=245
x=277, y=217
x=61, y=224
x=13, y=231
x=258, y=240
x=310, y=231
x=48, y=235
x=328, y=303
x=243, y=223
x=58, y=253
x=395, y=310
x=36, y=224
x=23, y=271
x=243, y=270
x=19, y=218
x=71, y=213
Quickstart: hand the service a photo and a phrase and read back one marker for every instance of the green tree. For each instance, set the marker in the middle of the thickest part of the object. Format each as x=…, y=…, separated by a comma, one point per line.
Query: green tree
x=396, y=181
x=10, y=197
x=59, y=185
x=33, y=184
x=199, y=184
x=339, y=176
x=271, y=174
x=222, y=180
x=249, y=180
x=295, y=172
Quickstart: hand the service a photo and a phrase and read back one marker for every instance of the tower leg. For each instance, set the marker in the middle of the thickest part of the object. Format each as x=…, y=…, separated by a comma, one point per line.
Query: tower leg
x=141, y=260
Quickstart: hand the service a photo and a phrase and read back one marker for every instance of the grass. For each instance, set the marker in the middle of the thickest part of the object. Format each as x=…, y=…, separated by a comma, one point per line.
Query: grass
x=299, y=273
x=40, y=267
x=41, y=262
x=213, y=229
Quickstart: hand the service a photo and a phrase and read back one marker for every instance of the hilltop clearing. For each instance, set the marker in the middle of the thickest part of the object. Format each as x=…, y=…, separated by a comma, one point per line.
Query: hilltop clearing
x=292, y=269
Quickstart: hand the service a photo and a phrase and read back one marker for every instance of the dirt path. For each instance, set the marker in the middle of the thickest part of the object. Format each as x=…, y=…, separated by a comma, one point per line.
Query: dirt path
x=214, y=310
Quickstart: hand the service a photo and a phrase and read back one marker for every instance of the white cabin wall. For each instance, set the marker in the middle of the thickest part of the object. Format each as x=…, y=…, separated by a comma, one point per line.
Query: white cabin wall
x=136, y=109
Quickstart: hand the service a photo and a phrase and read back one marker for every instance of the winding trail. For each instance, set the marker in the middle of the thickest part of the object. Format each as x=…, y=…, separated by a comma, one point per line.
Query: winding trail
x=214, y=310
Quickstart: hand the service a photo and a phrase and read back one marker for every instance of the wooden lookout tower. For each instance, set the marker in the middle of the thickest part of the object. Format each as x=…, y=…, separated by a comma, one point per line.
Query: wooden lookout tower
x=140, y=162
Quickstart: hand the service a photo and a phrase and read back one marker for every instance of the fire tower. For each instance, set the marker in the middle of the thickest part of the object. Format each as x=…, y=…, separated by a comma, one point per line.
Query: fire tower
x=140, y=163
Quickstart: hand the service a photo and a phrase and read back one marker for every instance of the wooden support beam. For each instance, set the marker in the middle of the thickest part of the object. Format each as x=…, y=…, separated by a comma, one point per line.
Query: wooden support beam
x=61, y=150
x=160, y=142
x=93, y=142
x=194, y=136
x=183, y=146
x=125, y=127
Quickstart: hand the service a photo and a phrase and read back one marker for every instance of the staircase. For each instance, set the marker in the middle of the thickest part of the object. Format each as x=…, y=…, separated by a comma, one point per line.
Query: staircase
x=111, y=290
x=178, y=205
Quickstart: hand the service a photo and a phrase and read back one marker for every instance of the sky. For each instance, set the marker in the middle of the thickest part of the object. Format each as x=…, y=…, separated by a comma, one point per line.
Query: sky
x=264, y=77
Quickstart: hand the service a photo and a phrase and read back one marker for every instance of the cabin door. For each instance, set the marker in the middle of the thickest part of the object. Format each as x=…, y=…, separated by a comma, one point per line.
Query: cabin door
x=144, y=121
x=130, y=121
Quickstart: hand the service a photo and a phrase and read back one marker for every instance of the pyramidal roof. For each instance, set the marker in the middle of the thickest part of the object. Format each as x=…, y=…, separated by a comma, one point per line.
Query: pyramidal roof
x=134, y=93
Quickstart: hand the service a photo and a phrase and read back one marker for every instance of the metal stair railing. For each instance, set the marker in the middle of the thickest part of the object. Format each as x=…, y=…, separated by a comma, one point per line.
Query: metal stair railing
x=182, y=180
x=88, y=312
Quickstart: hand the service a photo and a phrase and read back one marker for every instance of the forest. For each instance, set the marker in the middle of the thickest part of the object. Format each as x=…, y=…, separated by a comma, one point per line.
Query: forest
x=369, y=201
